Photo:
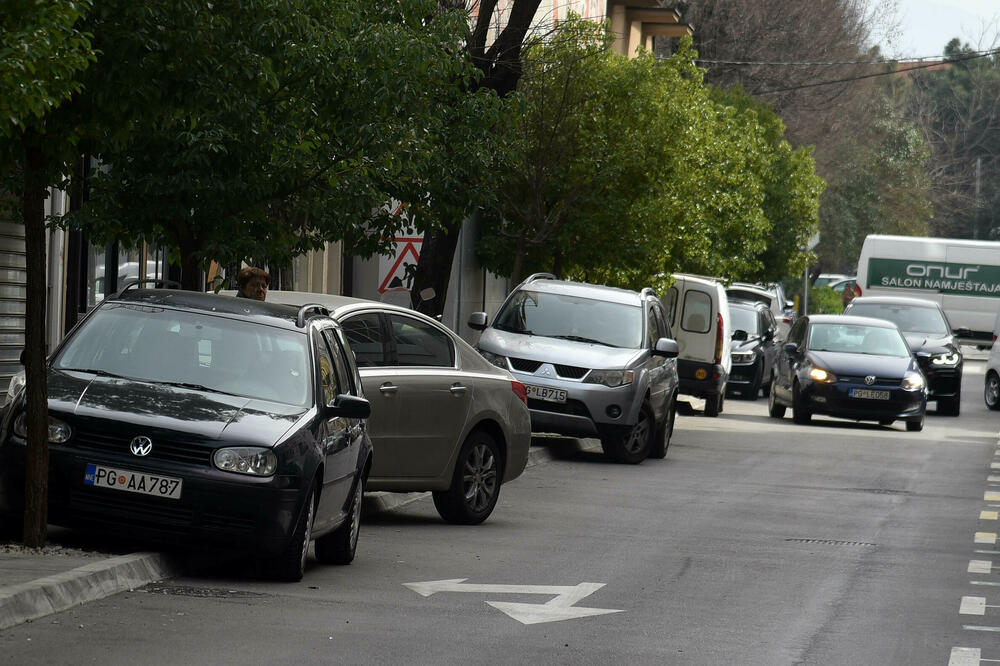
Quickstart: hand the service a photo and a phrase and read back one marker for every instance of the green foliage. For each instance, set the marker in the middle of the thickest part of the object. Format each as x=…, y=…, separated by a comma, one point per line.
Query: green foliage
x=621, y=187
x=42, y=50
x=822, y=300
x=266, y=128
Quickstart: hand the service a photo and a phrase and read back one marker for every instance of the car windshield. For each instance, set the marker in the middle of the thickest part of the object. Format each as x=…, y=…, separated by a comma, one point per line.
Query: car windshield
x=572, y=318
x=857, y=339
x=744, y=319
x=192, y=349
x=909, y=318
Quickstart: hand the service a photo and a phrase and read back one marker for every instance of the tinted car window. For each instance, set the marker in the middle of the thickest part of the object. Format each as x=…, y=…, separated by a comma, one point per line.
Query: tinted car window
x=420, y=343
x=653, y=324
x=364, y=333
x=697, y=316
x=671, y=305
x=798, y=332
x=327, y=374
x=744, y=319
x=171, y=346
x=572, y=318
x=909, y=318
x=345, y=378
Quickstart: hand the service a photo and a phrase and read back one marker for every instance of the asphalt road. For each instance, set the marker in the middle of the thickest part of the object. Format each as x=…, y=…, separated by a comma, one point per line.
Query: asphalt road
x=755, y=541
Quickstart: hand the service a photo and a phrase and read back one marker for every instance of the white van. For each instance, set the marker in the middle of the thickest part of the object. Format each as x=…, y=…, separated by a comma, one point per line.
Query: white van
x=699, y=319
x=962, y=275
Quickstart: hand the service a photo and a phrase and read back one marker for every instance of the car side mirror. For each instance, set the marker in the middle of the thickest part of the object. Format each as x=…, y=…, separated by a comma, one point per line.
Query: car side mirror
x=349, y=407
x=478, y=321
x=666, y=348
x=768, y=335
x=792, y=347
x=963, y=332
x=21, y=358
x=740, y=335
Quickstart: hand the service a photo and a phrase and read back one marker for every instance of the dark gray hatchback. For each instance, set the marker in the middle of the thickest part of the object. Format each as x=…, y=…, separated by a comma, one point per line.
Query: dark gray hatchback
x=207, y=420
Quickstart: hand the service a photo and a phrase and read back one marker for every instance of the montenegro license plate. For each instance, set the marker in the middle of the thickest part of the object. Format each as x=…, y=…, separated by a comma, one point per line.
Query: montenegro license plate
x=546, y=393
x=869, y=394
x=132, y=482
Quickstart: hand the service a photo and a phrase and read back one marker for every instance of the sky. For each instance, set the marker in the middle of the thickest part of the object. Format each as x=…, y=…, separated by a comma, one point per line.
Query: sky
x=927, y=25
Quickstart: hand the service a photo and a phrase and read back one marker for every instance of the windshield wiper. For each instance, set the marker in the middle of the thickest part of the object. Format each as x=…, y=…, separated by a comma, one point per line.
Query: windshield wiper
x=577, y=338
x=99, y=373
x=189, y=385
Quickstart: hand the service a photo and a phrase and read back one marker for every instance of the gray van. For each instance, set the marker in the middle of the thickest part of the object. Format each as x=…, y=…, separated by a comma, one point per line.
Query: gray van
x=597, y=362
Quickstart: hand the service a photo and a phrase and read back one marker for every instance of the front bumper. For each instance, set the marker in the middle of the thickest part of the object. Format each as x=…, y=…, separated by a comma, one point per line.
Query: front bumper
x=701, y=379
x=216, y=509
x=835, y=400
x=942, y=381
x=743, y=375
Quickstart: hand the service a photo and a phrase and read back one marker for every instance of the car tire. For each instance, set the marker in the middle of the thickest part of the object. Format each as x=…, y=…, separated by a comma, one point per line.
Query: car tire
x=663, y=434
x=765, y=388
x=992, y=391
x=633, y=444
x=776, y=410
x=800, y=414
x=475, y=483
x=713, y=404
x=915, y=426
x=340, y=546
x=950, y=406
x=291, y=564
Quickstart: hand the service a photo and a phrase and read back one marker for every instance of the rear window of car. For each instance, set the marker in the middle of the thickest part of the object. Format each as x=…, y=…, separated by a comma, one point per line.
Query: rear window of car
x=697, y=316
x=909, y=318
x=162, y=345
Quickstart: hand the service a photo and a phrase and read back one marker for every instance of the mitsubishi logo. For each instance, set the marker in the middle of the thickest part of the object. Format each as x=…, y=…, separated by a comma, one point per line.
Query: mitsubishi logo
x=870, y=379
x=545, y=371
x=140, y=446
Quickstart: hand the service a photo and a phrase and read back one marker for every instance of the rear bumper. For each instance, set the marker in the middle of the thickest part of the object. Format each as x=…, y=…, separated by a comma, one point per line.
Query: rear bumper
x=701, y=379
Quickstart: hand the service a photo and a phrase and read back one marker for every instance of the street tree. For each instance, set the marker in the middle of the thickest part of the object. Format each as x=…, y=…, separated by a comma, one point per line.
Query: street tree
x=43, y=50
x=269, y=128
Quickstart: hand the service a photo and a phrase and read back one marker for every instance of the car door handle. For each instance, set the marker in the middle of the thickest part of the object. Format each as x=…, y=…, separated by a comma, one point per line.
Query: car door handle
x=388, y=388
x=458, y=389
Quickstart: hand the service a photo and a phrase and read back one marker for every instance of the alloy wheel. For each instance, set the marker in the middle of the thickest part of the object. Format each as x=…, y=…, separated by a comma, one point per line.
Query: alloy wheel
x=480, y=477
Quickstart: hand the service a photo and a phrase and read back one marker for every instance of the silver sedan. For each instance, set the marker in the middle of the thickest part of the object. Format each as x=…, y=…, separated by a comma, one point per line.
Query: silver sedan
x=443, y=418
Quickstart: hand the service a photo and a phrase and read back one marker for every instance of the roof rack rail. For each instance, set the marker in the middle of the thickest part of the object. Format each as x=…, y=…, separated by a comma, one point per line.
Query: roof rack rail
x=539, y=276
x=135, y=283
x=647, y=291
x=300, y=319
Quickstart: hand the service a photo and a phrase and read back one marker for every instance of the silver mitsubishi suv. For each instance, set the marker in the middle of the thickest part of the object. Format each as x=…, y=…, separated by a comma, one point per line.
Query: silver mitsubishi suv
x=597, y=362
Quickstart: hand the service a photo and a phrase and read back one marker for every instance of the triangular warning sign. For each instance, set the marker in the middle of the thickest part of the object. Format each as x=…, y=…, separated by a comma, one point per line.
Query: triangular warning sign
x=410, y=249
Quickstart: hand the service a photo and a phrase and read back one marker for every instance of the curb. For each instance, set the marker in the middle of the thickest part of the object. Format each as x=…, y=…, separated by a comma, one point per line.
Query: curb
x=44, y=596
x=382, y=501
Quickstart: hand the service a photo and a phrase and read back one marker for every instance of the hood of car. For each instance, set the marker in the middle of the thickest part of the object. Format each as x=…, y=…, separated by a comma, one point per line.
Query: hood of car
x=860, y=365
x=923, y=344
x=128, y=406
x=557, y=350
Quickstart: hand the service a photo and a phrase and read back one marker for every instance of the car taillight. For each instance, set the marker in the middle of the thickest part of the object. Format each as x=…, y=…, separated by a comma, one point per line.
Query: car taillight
x=787, y=320
x=519, y=391
x=857, y=290
x=718, y=338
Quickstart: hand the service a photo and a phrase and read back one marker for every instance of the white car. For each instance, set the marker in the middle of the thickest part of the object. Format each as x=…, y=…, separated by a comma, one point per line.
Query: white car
x=991, y=392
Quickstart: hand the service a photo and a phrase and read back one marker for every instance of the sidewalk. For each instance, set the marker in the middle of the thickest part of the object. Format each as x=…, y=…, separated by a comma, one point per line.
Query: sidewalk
x=74, y=568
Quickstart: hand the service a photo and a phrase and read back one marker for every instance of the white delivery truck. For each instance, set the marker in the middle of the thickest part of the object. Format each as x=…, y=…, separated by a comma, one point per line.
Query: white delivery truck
x=962, y=275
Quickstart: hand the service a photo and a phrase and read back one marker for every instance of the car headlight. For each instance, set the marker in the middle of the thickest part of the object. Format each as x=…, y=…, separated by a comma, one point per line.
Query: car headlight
x=822, y=376
x=495, y=359
x=246, y=460
x=59, y=432
x=912, y=381
x=946, y=359
x=17, y=383
x=743, y=357
x=611, y=378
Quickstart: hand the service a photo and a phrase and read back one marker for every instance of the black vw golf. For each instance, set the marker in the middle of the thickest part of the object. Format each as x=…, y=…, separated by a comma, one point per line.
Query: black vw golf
x=856, y=368
x=215, y=421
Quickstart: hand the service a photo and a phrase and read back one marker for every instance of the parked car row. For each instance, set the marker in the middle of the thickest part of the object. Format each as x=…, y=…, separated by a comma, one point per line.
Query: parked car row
x=180, y=416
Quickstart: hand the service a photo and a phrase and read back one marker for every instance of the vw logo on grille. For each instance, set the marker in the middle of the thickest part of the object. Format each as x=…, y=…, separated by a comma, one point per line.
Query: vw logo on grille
x=140, y=446
x=870, y=379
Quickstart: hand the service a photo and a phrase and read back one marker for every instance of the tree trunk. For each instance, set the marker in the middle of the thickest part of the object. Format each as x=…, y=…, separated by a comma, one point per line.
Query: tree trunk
x=191, y=279
x=36, y=487
x=518, y=267
x=434, y=269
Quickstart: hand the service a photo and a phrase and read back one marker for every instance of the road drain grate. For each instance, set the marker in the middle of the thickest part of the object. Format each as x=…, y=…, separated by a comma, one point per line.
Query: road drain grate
x=835, y=542
x=202, y=592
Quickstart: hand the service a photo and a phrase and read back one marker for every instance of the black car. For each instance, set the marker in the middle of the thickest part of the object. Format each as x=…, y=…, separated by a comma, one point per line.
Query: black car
x=857, y=368
x=754, y=348
x=183, y=417
x=929, y=335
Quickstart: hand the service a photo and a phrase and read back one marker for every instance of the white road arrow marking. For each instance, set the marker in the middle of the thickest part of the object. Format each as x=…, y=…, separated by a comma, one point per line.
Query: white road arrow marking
x=559, y=608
